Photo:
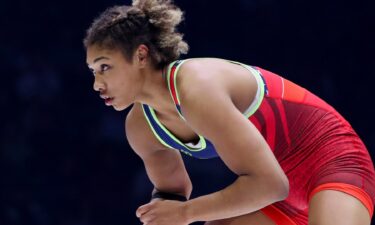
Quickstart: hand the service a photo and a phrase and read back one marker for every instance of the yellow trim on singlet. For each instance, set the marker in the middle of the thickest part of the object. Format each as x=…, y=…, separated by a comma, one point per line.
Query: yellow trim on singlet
x=257, y=75
x=152, y=128
x=251, y=109
x=260, y=90
x=175, y=82
x=153, y=114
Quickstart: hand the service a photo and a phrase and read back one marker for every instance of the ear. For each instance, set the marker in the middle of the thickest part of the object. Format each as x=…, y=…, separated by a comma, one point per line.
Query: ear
x=141, y=55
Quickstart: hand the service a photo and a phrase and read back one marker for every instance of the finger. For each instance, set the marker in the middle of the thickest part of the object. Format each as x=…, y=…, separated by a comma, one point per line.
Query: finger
x=143, y=209
x=146, y=218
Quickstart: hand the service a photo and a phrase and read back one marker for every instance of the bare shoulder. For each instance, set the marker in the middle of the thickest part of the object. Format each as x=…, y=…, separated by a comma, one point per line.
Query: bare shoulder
x=138, y=132
x=201, y=84
x=197, y=72
x=212, y=101
x=217, y=77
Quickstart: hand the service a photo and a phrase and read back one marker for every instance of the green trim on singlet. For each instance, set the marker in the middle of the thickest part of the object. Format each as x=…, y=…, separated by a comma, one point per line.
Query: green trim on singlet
x=253, y=71
x=153, y=130
x=175, y=82
x=169, y=78
x=261, y=96
x=260, y=84
x=201, y=138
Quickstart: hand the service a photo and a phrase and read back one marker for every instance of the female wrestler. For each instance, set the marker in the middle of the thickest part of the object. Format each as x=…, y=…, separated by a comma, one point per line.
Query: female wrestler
x=298, y=161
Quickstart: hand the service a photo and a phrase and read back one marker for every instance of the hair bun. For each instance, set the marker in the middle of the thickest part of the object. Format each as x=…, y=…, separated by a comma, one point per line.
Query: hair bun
x=161, y=13
x=164, y=16
x=149, y=22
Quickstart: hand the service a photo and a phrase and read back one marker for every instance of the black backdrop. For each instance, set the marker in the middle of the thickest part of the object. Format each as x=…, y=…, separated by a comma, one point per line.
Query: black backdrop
x=64, y=159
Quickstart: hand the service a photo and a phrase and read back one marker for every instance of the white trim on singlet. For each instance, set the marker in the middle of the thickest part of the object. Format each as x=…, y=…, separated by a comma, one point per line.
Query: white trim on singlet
x=258, y=95
x=197, y=145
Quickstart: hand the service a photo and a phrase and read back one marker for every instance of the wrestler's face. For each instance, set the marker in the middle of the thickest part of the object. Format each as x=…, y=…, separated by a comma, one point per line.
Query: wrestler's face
x=116, y=79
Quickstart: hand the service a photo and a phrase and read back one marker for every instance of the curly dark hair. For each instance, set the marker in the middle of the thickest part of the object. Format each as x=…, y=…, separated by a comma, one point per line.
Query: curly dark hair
x=149, y=22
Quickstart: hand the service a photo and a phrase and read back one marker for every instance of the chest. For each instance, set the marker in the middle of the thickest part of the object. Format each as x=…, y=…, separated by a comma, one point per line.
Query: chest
x=178, y=135
x=178, y=127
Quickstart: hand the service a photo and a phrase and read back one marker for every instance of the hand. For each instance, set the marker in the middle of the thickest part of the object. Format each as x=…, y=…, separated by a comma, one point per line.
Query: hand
x=163, y=212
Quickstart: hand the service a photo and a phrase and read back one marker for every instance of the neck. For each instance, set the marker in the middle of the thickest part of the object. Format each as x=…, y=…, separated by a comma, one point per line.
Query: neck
x=154, y=91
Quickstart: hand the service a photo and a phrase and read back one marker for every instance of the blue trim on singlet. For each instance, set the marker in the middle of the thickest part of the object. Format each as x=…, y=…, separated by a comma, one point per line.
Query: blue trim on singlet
x=264, y=80
x=178, y=107
x=205, y=153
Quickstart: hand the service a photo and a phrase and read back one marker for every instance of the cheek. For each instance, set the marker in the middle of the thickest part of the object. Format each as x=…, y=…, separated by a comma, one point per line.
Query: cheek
x=127, y=82
x=127, y=87
x=122, y=81
x=131, y=82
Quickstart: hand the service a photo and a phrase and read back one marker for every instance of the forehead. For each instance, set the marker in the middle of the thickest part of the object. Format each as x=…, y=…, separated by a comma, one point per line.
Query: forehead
x=93, y=53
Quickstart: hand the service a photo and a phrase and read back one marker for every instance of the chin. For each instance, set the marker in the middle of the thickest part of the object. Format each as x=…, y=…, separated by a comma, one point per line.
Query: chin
x=120, y=108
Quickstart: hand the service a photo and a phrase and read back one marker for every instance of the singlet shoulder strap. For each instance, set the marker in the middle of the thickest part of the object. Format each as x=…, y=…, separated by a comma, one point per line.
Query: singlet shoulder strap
x=171, y=75
x=262, y=89
x=172, y=72
x=166, y=137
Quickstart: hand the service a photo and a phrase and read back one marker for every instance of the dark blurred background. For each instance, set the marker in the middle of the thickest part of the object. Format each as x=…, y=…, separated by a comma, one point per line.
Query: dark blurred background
x=64, y=159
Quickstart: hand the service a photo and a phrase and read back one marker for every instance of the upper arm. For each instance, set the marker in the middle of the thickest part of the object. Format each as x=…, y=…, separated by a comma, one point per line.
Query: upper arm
x=164, y=166
x=138, y=133
x=209, y=109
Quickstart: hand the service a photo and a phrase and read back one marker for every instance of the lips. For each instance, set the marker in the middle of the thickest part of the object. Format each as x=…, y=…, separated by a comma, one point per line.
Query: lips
x=107, y=99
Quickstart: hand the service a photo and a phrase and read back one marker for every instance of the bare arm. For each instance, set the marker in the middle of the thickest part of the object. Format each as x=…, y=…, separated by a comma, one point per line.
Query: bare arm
x=209, y=109
x=164, y=166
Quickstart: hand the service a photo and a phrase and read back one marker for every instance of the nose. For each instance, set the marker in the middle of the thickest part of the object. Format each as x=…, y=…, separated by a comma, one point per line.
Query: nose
x=98, y=84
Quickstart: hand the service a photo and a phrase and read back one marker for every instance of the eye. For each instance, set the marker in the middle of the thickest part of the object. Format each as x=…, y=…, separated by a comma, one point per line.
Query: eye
x=103, y=67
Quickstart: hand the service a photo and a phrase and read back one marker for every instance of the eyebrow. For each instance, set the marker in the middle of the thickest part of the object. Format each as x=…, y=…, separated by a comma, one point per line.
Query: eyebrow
x=98, y=59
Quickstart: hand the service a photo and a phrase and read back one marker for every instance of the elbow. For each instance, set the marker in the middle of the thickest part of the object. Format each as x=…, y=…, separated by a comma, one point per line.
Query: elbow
x=282, y=186
x=277, y=188
x=188, y=190
x=285, y=191
x=184, y=188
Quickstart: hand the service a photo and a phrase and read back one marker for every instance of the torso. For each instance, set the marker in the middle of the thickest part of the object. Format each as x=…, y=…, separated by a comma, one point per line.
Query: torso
x=301, y=129
x=174, y=123
x=236, y=80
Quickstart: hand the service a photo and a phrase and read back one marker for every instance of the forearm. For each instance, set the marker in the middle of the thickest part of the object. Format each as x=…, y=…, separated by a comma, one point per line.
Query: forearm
x=174, y=184
x=167, y=172
x=247, y=194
